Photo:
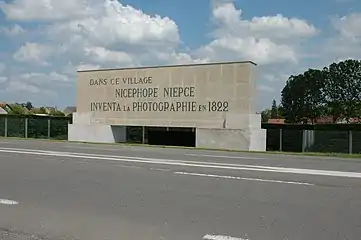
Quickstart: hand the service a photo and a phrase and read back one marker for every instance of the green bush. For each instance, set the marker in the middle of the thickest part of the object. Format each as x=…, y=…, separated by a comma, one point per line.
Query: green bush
x=324, y=127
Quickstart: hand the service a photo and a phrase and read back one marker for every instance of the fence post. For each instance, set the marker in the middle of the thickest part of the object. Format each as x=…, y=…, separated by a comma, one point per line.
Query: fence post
x=143, y=134
x=49, y=125
x=350, y=141
x=26, y=127
x=281, y=139
x=304, y=139
x=6, y=127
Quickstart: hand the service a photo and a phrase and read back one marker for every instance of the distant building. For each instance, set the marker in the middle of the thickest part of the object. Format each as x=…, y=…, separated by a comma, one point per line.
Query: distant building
x=2, y=111
x=321, y=120
x=50, y=110
x=4, y=108
x=69, y=110
x=276, y=121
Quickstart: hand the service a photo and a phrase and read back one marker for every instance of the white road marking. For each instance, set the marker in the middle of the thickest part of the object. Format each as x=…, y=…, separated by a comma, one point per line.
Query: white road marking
x=127, y=166
x=222, y=156
x=149, y=159
x=221, y=237
x=160, y=169
x=92, y=148
x=185, y=163
x=242, y=178
x=8, y=202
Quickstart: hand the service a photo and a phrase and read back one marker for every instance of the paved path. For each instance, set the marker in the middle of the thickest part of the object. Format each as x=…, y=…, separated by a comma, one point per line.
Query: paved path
x=65, y=190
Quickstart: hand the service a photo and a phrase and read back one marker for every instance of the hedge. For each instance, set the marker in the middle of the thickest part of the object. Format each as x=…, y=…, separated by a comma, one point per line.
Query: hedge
x=324, y=127
x=37, y=126
x=327, y=137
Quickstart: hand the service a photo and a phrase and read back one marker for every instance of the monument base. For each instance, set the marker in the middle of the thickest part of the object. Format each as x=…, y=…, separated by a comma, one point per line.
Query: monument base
x=249, y=138
x=231, y=139
x=97, y=133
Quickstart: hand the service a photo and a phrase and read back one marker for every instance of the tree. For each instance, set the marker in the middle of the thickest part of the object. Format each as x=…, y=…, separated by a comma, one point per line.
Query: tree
x=17, y=109
x=28, y=105
x=334, y=91
x=343, y=89
x=303, y=97
x=292, y=99
x=41, y=110
x=314, y=99
x=274, y=109
x=57, y=113
x=265, y=115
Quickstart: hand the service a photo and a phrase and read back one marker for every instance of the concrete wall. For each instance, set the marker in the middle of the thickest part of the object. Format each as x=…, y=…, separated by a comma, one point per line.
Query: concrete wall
x=230, y=84
x=96, y=133
x=218, y=100
x=251, y=138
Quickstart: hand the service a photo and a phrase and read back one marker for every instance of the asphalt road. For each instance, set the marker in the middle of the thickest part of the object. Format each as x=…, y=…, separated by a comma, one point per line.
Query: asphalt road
x=65, y=190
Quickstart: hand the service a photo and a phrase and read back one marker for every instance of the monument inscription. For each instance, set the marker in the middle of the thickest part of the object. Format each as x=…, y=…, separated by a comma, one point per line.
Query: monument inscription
x=146, y=98
x=200, y=95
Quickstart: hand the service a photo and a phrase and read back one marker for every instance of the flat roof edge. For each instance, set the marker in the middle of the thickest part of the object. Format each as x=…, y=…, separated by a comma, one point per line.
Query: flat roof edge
x=166, y=66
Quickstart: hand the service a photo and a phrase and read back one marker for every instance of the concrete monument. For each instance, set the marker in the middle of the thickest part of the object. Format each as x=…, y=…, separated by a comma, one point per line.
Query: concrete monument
x=216, y=99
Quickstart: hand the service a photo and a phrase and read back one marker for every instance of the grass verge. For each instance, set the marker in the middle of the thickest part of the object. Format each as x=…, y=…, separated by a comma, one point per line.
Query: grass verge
x=315, y=154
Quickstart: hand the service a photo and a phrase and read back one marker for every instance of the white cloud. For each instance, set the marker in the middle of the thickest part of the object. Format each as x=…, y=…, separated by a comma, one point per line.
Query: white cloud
x=113, y=23
x=20, y=87
x=33, y=53
x=265, y=88
x=33, y=83
x=346, y=42
x=113, y=35
x=273, y=27
x=86, y=66
x=265, y=40
x=101, y=32
x=44, y=10
x=40, y=78
x=275, y=77
x=261, y=51
x=349, y=26
x=12, y=30
x=3, y=79
x=103, y=55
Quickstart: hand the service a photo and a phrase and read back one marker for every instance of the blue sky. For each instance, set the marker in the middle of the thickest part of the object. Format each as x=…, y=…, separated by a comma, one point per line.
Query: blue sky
x=41, y=46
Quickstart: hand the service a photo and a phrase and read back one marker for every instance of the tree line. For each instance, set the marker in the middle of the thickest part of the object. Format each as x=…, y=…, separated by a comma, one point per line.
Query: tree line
x=334, y=91
x=27, y=108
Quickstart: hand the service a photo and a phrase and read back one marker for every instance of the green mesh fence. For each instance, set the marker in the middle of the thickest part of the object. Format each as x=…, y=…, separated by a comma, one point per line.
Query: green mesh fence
x=356, y=141
x=333, y=140
x=16, y=126
x=2, y=126
x=59, y=128
x=292, y=140
x=273, y=140
x=330, y=142
x=37, y=127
